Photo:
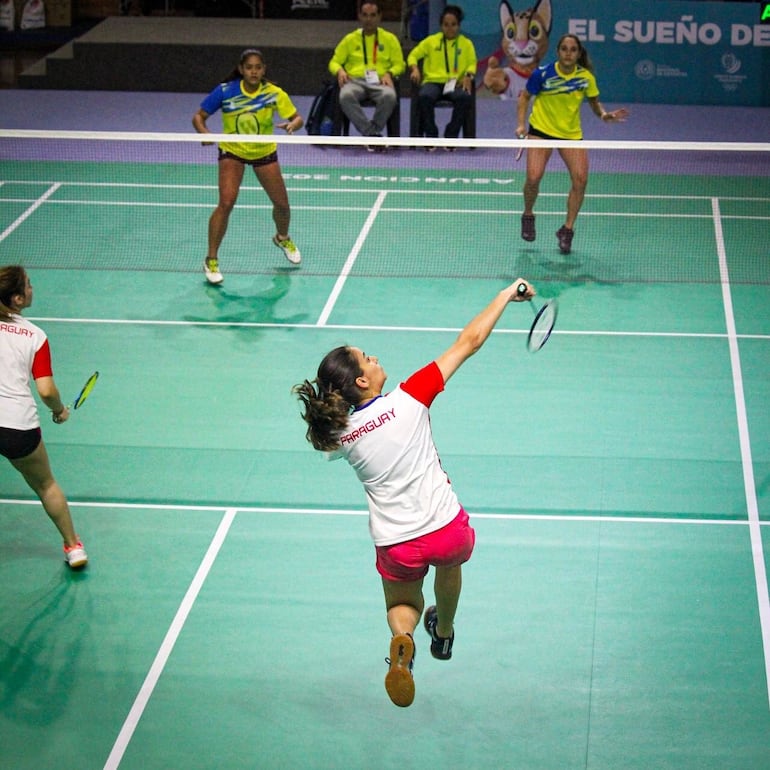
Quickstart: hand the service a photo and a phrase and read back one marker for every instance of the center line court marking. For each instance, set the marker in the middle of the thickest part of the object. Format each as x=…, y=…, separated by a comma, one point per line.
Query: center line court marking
x=145, y=692
x=350, y=261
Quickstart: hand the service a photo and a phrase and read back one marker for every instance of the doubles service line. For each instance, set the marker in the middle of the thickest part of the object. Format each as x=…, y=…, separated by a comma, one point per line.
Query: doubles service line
x=750, y=489
x=146, y=690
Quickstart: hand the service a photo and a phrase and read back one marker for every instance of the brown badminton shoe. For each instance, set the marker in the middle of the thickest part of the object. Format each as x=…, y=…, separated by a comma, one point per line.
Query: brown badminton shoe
x=399, y=682
x=565, y=236
x=528, y=227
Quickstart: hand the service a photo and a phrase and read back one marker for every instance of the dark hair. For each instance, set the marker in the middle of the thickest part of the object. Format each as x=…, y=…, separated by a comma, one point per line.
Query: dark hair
x=455, y=10
x=584, y=60
x=13, y=280
x=329, y=398
x=375, y=3
x=235, y=73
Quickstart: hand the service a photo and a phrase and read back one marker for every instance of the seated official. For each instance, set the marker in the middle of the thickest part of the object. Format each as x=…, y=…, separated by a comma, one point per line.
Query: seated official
x=366, y=63
x=448, y=68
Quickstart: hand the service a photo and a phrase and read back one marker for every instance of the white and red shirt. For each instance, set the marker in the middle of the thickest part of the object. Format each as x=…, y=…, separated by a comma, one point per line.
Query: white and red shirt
x=24, y=354
x=389, y=444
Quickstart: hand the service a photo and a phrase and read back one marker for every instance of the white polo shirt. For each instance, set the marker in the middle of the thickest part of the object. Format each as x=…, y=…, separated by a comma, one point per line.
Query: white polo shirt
x=24, y=354
x=390, y=446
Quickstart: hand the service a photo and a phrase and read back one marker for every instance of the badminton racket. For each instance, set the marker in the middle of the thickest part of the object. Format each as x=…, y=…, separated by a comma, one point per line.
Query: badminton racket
x=85, y=392
x=542, y=326
x=520, y=151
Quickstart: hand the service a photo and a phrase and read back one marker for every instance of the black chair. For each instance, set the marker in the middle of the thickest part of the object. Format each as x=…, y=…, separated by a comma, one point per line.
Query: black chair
x=393, y=126
x=415, y=124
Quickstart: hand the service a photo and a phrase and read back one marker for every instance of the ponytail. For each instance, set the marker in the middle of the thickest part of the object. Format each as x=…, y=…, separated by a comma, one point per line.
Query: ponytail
x=329, y=398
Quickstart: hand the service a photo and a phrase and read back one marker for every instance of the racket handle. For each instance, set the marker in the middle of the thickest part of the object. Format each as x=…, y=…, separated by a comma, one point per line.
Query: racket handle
x=521, y=290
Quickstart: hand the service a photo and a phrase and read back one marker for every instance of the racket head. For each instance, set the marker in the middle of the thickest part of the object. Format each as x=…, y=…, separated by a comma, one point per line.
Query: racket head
x=85, y=392
x=542, y=326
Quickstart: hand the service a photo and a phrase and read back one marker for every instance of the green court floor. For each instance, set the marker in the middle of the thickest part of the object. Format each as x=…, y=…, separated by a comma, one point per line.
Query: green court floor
x=615, y=613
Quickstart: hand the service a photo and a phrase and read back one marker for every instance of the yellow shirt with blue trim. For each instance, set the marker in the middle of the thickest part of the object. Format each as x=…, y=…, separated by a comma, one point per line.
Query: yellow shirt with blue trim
x=444, y=59
x=357, y=52
x=556, y=110
x=245, y=112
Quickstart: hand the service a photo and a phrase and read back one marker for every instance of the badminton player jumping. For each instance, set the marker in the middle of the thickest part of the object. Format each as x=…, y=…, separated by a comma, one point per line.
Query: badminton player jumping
x=415, y=518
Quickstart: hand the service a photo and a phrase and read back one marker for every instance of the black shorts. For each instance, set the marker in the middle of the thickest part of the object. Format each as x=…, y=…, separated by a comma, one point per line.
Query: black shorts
x=15, y=444
x=542, y=135
x=266, y=161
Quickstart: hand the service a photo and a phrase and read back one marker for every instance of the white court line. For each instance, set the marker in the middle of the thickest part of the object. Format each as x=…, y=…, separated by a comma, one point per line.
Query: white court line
x=38, y=202
x=385, y=209
x=464, y=192
x=388, y=329
x=350, y=261
x=288, y=510
x=135, y=714
x=750, y=490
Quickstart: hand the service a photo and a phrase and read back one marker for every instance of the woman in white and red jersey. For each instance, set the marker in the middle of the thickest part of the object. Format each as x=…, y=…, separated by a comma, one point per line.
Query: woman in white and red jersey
x=25, y=355
x=415, y=518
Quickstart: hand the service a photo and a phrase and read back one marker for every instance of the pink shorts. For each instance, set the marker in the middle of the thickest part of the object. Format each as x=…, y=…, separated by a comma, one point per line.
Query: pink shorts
x=446, y=547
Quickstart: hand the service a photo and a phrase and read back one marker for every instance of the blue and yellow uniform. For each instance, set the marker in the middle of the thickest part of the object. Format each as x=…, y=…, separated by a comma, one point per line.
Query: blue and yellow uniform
x=556, y=111
x=444, y=59
x=248, y=113
x=357, y=52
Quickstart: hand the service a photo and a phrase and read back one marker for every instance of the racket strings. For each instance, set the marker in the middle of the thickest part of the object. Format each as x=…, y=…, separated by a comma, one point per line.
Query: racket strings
x=542, y=326
x=84, y=393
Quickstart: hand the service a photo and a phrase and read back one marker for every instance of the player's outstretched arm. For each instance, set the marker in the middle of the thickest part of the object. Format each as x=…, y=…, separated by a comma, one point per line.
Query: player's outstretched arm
x=475, y=334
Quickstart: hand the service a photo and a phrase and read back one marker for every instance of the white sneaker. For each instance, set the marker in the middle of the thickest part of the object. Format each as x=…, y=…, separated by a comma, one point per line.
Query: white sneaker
x=75, y=555
x=290, y=251
x=211, y=271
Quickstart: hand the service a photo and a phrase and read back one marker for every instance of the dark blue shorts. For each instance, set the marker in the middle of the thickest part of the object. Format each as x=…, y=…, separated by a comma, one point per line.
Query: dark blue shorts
x=542, y=135
x=266, y=161
x=15, y=444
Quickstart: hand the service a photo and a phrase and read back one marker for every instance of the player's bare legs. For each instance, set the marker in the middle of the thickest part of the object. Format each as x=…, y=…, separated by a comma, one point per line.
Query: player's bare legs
x=576, y=161
x=537, y=160
x=404, y=603
x=447, y=585
x=230, y=178
x=271, y=179
x=36, y=470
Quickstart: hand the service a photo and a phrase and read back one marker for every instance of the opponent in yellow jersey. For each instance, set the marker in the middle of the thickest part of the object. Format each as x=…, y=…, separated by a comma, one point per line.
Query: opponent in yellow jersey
x=245, y=112
x=558, y=90
x=248, y=103
x=557, y=111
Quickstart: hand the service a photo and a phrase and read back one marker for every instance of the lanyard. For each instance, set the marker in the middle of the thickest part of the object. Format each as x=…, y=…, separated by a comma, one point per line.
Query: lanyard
x=446, y=57
x=374, y=52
